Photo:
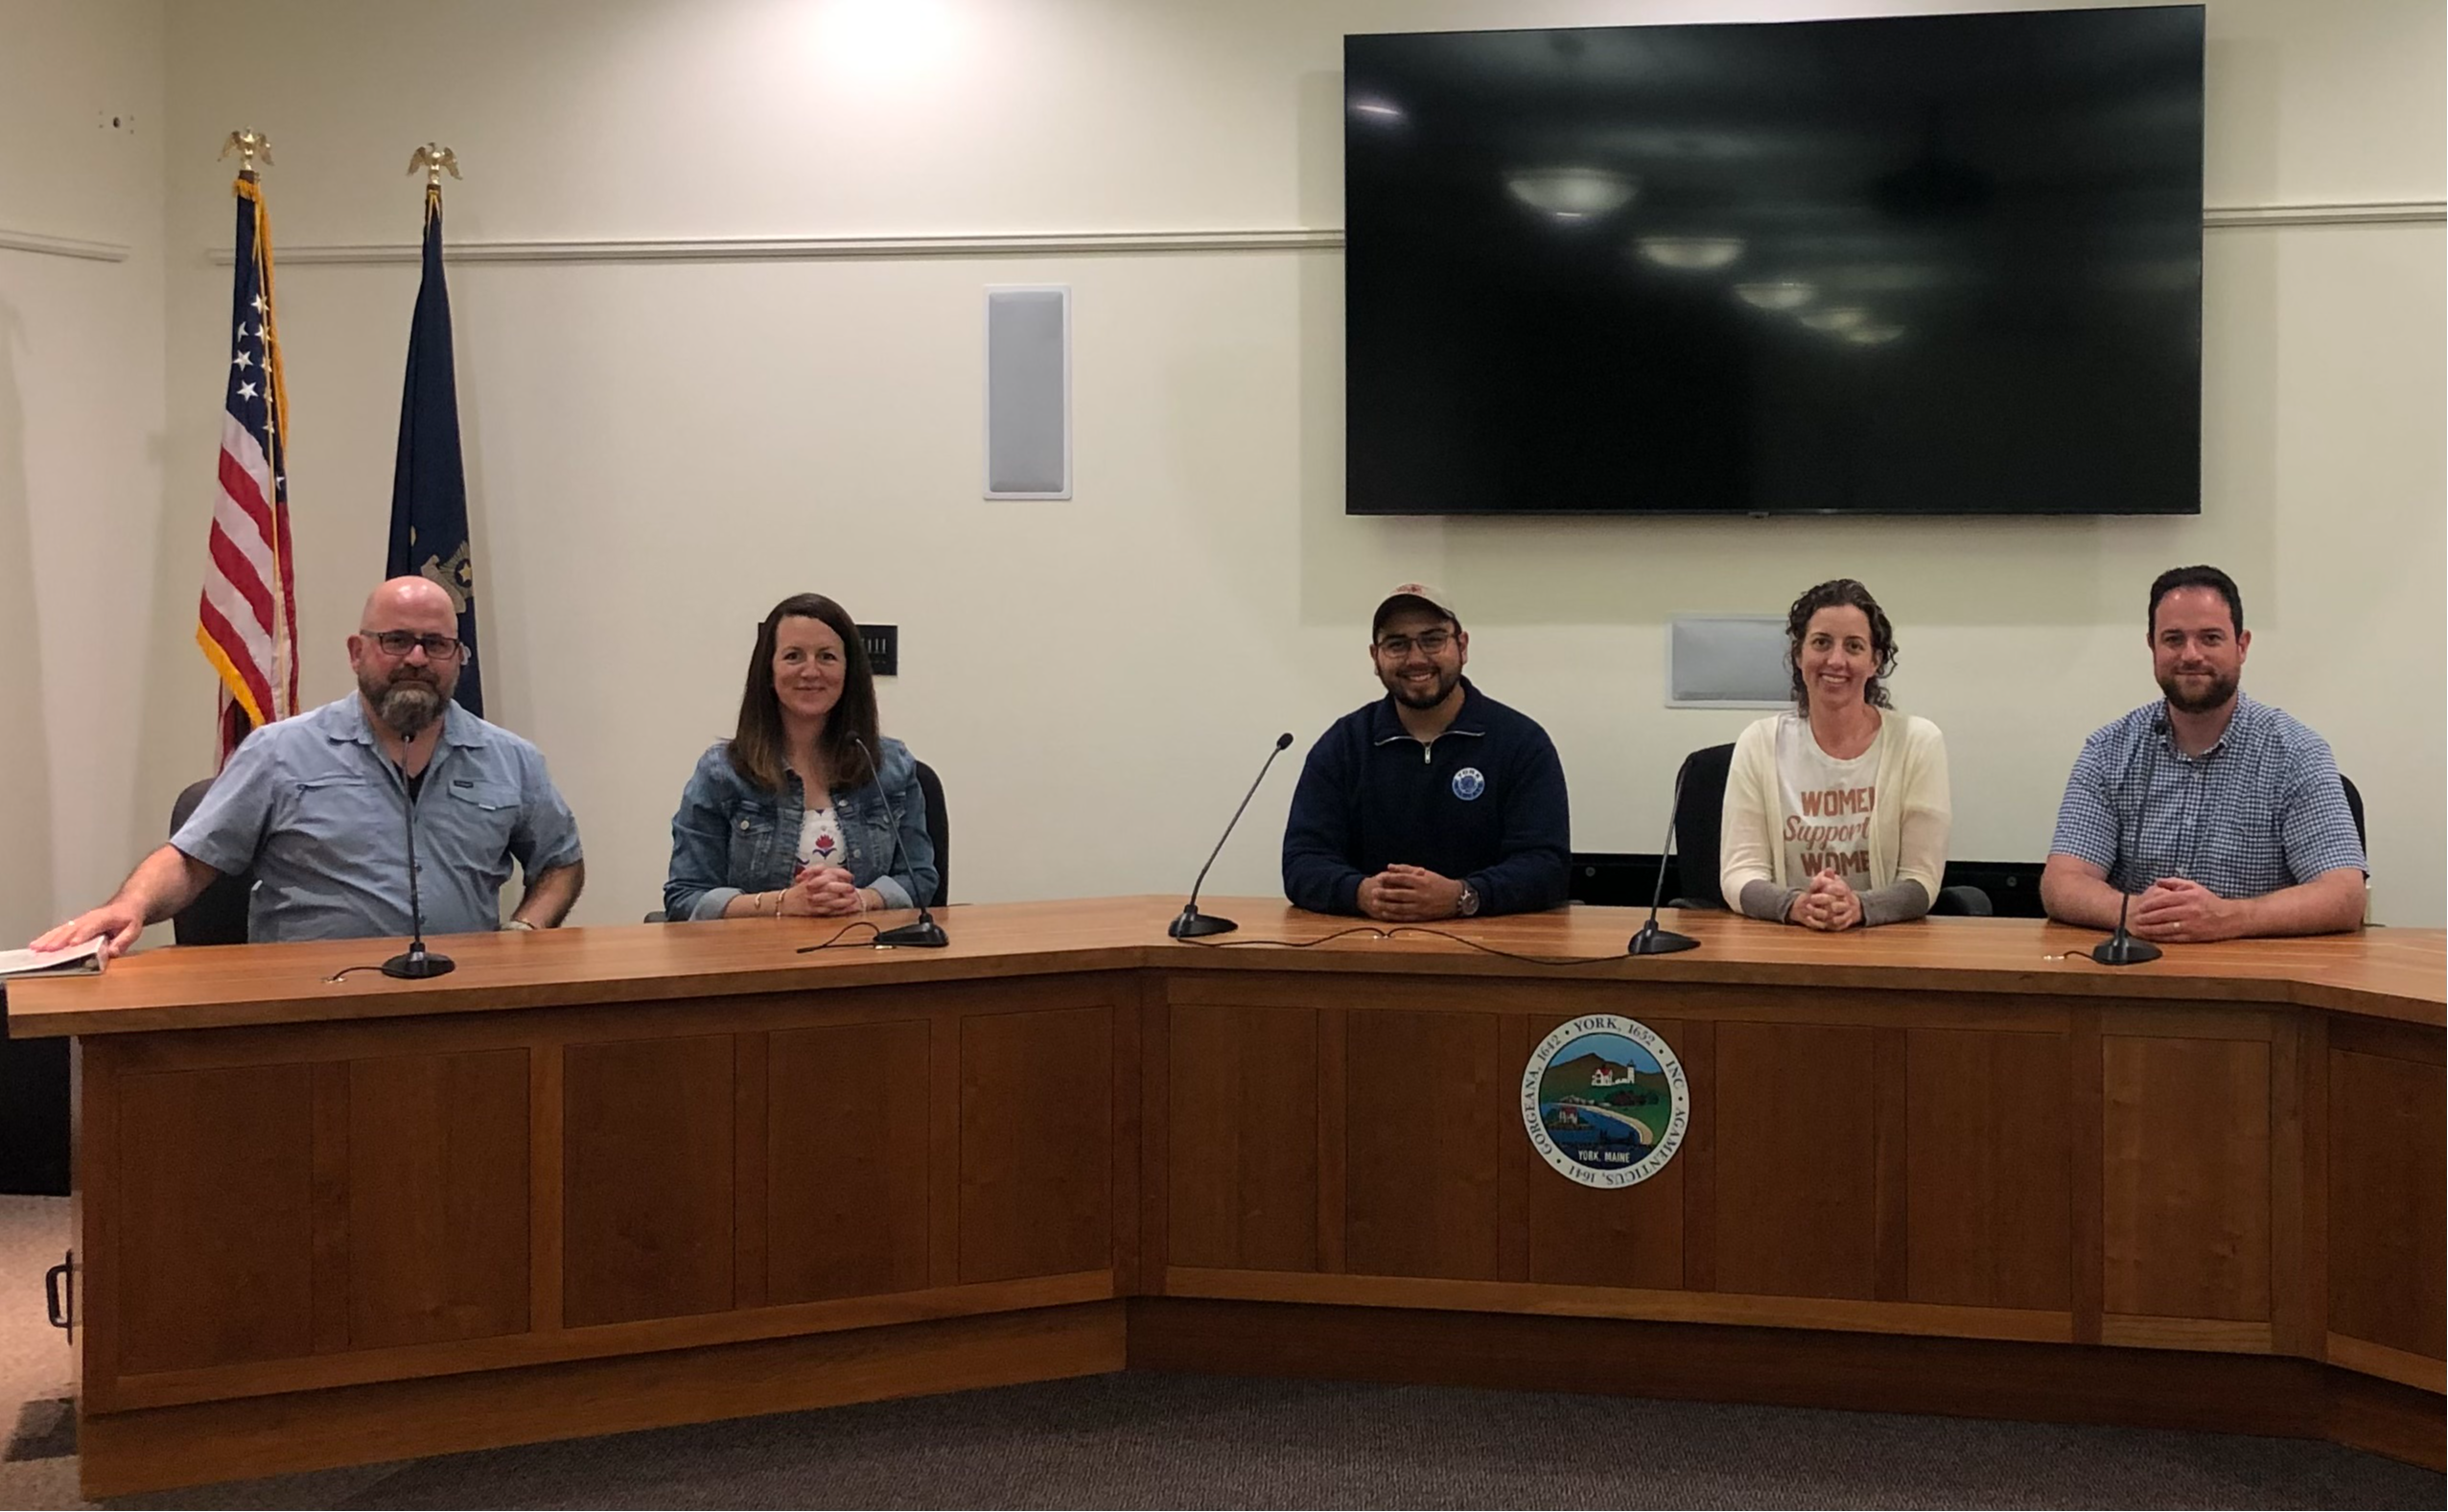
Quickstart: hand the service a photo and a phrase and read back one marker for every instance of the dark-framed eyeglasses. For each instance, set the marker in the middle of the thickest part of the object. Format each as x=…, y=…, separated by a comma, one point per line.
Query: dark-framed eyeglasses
x=1432, y=642
x=436, y=648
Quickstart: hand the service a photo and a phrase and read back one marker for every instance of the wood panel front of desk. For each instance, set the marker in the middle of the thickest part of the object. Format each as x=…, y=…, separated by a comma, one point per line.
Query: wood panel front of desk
x=341, y=1241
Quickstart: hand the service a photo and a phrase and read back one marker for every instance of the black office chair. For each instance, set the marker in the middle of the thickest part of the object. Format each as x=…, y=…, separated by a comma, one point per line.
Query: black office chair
x=218, y=917
x=1962, y=902
x=939, y=829
x=1699, y=832
x=1699, y=826
x=2354, y=806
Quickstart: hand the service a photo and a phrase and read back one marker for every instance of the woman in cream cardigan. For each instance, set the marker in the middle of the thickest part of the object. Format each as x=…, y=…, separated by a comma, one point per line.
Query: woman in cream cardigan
x=1836, y=815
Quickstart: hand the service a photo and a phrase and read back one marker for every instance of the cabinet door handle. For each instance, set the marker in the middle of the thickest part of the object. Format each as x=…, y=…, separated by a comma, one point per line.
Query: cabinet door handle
x=54, y=1291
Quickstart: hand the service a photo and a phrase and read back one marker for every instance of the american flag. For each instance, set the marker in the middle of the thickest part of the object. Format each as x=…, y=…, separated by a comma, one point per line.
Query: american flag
x=246, y=622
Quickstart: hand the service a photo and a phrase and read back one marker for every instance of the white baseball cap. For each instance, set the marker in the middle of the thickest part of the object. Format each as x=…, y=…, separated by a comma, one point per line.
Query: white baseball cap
x=1414, y=596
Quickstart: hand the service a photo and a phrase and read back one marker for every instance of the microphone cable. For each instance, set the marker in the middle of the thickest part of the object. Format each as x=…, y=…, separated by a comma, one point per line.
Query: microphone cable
x=1376, y=932
x=836, y=940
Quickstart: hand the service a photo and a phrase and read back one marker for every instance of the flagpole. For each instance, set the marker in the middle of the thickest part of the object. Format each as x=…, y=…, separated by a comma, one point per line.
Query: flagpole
x=429, y=534
x=246, y=615
x=226, y=732
x=284, y=624
x=433, y=157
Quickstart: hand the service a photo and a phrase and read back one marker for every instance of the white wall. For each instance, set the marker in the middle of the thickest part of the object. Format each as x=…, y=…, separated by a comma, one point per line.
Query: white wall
x=81, y=447
x=659, y=451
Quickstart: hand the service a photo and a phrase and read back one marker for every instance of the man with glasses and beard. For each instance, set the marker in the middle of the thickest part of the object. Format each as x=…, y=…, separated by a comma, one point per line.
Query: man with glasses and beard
x=2236, y=820
x=1436, y=802
x=313, y=807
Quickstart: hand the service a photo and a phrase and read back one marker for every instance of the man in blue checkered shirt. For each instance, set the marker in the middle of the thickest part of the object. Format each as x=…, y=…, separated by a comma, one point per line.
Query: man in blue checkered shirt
x=2222, y=817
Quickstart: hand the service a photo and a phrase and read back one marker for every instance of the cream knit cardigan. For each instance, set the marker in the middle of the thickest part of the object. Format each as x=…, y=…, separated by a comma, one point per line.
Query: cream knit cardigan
x=1907, y=831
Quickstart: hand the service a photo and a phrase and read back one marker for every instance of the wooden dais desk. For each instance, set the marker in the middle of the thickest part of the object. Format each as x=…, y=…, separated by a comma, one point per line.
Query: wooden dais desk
x=602, y=1179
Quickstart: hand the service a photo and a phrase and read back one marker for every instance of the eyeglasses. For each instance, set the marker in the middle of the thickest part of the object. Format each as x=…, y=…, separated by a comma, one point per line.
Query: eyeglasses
x=1432, y=642
x=399, y=642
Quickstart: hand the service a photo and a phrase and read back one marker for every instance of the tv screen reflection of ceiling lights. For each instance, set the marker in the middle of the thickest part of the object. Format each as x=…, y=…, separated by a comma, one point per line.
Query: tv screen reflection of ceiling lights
x=1920, y=265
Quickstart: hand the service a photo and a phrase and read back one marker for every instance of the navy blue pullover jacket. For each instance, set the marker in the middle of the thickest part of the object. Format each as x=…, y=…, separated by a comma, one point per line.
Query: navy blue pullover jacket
x=1482, y=803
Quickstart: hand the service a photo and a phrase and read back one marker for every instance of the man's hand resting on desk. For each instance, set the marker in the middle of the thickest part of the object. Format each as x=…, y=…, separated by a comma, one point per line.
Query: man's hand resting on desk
x=116, y=919
x=162, y=884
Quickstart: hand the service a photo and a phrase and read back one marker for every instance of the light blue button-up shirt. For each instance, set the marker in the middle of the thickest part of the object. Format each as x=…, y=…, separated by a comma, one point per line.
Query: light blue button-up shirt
x=313, y=808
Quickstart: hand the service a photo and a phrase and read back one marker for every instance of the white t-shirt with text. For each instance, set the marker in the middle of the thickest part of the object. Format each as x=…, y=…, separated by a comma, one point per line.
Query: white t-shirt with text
x=1828, y=805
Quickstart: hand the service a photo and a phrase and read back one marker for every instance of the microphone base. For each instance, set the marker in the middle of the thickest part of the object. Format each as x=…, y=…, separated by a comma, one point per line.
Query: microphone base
x=1653, y=941
x=924, y=935
x=2121, y=949
x=418, y=963
x=1196, y=925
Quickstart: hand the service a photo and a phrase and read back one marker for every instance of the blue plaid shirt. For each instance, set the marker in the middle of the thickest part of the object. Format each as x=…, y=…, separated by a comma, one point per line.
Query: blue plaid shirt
x=2261, y=811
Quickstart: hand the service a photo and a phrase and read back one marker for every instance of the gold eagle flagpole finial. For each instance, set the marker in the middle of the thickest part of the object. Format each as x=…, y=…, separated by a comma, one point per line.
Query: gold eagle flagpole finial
x=434, y=158
x=249, y=146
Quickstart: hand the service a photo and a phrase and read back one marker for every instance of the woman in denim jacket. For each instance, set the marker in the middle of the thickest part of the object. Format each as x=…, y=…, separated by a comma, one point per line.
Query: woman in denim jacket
x=747, y=841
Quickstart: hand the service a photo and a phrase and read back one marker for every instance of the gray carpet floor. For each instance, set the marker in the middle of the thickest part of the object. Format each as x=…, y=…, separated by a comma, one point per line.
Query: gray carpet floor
x=1196, y=1441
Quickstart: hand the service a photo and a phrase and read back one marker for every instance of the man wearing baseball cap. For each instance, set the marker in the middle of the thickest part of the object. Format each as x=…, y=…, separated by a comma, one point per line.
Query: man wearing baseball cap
x=1436, y=802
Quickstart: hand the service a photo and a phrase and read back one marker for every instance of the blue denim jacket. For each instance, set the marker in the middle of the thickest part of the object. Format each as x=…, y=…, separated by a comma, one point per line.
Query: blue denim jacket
x=732, y=837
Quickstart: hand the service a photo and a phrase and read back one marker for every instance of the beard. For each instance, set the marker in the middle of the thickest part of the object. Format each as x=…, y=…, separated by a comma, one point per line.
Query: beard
x=2214, y=697
x=1434, y=694
x=407, y=703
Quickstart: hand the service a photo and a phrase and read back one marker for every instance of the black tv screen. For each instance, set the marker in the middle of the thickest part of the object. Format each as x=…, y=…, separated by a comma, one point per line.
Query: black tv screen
x=1920, y=265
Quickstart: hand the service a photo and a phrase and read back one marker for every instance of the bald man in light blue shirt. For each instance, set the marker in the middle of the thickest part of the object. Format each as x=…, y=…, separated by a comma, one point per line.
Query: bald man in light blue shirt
x=313, y=807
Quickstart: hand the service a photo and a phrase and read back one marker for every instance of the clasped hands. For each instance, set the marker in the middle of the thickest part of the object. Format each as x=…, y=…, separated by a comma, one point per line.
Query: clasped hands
x=1828, y=903
x=822, y=892
x=1409, y=895
x=2180, y=909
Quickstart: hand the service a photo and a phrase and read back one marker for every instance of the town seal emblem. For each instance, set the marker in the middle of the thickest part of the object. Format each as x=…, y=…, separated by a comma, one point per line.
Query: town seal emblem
x=1604, y=1101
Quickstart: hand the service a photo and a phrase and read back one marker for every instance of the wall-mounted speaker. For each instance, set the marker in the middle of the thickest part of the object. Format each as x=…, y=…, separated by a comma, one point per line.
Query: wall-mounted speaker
x=1028, y=392
x=1727, y=662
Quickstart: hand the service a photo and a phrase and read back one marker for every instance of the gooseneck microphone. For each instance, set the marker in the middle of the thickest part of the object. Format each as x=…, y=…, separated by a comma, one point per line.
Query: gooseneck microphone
x=1651, y=940
x=2121, y=949
x=415, y=963
x=925, y=933
x=1192, y=924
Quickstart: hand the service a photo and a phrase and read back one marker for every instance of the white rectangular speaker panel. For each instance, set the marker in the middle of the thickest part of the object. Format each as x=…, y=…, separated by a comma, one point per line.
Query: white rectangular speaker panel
x=1028, y=391
x=1727, y=662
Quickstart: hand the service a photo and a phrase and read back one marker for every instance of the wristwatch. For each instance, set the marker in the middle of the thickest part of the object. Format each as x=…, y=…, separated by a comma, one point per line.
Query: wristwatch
x=519, y=923
x=1468, y=903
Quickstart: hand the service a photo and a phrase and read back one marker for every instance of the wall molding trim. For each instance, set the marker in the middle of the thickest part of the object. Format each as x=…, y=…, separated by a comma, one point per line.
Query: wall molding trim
x=1080, y=243
x=824, y=248
x=2373, y=212
x=62, y=246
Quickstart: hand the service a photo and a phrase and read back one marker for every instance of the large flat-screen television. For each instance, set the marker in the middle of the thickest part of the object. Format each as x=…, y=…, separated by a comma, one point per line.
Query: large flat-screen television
x=1936, y=265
